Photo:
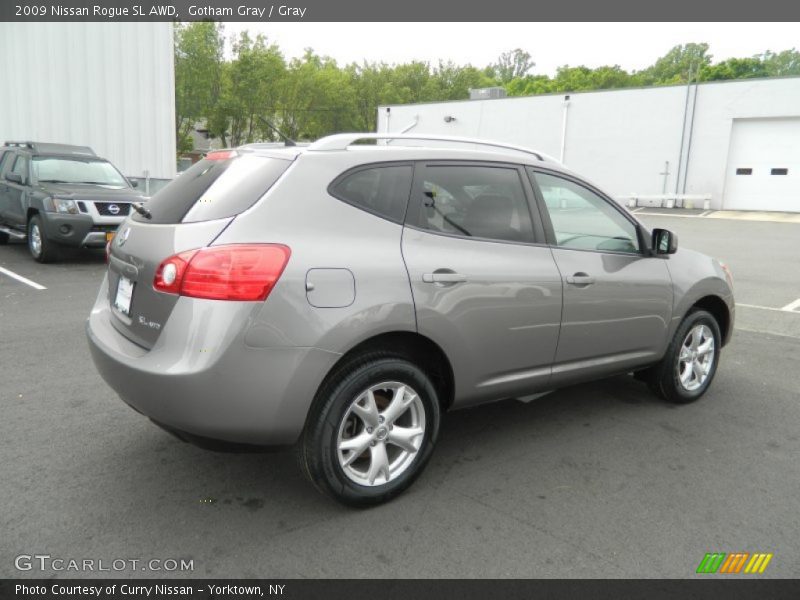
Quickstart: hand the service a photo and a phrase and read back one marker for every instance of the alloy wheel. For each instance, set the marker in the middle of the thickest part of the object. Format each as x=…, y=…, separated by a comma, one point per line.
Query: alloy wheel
x=35, y=240
x=381, y=433
x=696, y=357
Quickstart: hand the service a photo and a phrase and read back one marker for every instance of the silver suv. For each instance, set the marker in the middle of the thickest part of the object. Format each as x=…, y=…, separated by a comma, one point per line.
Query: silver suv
x=342, y=296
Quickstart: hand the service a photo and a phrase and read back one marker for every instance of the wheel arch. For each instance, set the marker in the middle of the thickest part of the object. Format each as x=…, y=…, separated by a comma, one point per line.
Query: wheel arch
x=719, y=310
x=411, y=346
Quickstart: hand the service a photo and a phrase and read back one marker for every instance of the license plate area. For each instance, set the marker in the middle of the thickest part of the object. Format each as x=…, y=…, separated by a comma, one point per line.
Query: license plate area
x=122, y=299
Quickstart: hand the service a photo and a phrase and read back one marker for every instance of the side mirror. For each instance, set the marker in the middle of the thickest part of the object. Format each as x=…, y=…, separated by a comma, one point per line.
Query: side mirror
x=134, y=183
x=664, y=242
x=15, y=177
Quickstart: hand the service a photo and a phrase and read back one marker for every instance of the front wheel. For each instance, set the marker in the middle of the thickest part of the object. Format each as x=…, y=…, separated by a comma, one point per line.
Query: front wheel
x=42, y=249
x=690, y=363
x=371, y=431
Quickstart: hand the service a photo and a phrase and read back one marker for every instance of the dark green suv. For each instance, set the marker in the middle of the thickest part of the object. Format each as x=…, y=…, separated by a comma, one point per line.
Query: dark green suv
x=60, y=195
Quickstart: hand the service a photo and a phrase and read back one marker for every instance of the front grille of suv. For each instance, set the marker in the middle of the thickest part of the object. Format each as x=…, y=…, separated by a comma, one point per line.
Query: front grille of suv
x=104, y=208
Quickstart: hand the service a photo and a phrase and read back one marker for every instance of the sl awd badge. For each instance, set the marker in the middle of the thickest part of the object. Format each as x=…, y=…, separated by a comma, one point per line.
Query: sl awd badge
x=147, y=323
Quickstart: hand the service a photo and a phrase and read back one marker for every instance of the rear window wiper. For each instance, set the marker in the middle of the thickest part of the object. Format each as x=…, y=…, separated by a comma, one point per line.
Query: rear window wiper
x=139, y=208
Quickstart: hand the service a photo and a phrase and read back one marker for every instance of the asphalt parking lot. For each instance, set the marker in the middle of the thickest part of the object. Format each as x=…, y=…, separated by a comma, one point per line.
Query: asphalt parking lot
x=598, y=480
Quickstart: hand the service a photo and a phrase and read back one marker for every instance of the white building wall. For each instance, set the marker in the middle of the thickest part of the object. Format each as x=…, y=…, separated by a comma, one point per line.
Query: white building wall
x=620, y=139
x=717, y=107
x=106, y=85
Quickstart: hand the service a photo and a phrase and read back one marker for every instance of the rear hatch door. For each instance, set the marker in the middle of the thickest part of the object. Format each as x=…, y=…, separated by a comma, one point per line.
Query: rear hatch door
x=187, y=214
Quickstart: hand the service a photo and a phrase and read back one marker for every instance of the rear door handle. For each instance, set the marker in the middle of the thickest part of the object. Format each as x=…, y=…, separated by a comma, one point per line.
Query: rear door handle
x=443, y=277
x=580, y=279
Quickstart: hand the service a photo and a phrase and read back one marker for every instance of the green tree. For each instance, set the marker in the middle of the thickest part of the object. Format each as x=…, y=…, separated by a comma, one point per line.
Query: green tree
x=253, y=88
x=676, y=65
x=373, y=84
x=530, y=85
x=734, y=68
x=198, y=62
x=782, y=63
x=449, y=81
x=318, y=98
x=512, y=65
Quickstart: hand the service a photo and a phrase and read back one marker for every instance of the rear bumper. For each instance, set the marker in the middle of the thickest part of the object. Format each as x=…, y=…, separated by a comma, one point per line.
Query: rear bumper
x=76, y=230
x=218, y=389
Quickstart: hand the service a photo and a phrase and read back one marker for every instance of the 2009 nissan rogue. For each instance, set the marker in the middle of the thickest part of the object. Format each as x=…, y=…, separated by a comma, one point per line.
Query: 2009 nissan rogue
x=342, y=296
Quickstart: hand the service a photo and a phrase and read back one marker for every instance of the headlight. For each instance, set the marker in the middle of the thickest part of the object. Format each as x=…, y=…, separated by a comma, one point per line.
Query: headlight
x=64, y=205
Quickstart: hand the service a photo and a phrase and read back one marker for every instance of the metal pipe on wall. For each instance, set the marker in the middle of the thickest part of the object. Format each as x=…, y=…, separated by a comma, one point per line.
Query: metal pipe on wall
x=564, y=128
x=683, y=132
x=689, y=143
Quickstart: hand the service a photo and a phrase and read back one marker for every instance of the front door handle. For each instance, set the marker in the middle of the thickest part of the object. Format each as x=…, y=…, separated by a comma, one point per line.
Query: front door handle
x=580, y=279
x=443, y=276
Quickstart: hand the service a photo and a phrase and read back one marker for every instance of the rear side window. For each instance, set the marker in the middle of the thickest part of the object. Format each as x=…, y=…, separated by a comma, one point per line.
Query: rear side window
x=475, y=201
x=214, y=189
x=381, y=190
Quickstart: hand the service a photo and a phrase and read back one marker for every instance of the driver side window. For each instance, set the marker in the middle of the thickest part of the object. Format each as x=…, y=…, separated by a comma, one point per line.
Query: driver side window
x=21, y=168
x=583, y=220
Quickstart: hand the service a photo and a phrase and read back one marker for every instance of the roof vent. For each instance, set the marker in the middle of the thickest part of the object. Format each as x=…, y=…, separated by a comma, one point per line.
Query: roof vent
x=489, y=93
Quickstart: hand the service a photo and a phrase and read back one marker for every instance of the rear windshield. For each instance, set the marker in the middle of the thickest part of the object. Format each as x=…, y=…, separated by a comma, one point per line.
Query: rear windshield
x=214, y=189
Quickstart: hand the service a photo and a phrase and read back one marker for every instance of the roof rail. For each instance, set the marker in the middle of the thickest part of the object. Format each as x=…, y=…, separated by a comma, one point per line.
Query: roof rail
x=20, y=144
x=342, y=141
x=48, y=148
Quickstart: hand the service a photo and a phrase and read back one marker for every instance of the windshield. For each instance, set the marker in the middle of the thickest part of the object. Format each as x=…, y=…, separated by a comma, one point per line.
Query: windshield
x=76, y=170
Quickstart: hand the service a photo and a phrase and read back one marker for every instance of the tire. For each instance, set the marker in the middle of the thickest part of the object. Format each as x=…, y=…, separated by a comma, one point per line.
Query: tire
x=343, y=416
x=4, y=237
x=41, y=248
x=690, y=363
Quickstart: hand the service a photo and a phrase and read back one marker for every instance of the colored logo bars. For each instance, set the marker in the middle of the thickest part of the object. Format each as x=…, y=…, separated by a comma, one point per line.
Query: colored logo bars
x=734, y=563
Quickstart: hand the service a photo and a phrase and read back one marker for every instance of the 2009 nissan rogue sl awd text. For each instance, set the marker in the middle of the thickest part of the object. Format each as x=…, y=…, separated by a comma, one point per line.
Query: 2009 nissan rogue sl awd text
x=341, y=296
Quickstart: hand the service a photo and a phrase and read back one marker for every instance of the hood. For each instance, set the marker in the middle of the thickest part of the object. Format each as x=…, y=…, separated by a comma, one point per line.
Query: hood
x=85, y=191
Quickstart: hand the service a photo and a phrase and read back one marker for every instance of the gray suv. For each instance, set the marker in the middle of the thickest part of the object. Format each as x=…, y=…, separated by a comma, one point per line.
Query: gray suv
x=58, y=195
x=341, y=296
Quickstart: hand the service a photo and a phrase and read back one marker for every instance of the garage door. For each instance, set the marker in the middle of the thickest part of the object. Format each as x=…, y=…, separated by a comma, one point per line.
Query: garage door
x=764, y=165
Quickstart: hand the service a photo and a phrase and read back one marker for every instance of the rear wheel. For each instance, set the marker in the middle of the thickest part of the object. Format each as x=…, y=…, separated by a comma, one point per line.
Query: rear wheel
x=371, y=431
x=688, y=368
x=42, y=249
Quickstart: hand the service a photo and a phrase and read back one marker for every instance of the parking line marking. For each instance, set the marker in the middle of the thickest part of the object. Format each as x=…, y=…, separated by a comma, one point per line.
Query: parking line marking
x=22, y=279
x=792, y=306
x=784, y=309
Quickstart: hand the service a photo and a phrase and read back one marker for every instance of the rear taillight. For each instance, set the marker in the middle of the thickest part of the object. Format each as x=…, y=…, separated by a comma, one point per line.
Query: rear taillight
x=236, y=272
x=169, y=274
